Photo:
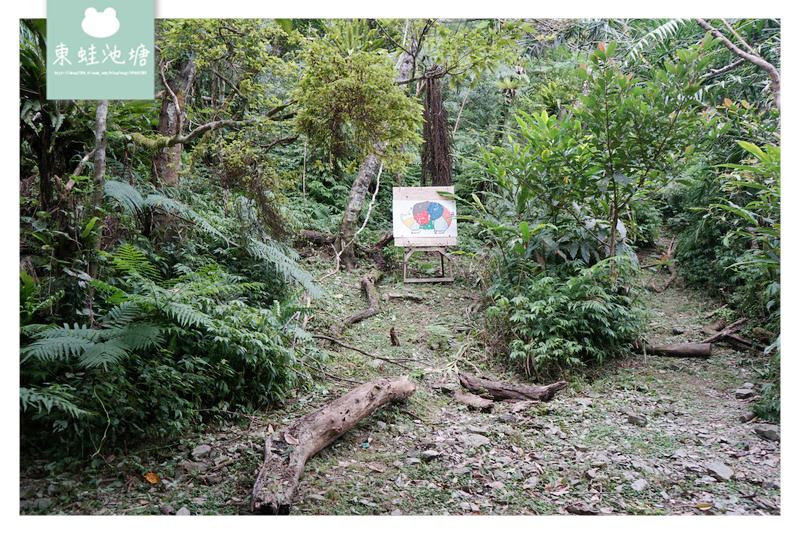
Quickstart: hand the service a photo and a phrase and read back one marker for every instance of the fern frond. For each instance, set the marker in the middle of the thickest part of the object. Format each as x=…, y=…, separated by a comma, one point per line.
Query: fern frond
x=186, y=315
x=45, y=399
x=53, y=348
x=123, y=314
x=126, y=196
x=139, y=336
x=283, y=263
x=129, y=259
x=659, y=34
x=103, y=354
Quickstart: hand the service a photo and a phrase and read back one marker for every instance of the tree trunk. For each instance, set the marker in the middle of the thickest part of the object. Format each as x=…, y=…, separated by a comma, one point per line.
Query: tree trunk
x=436, y=160
x=502, y=391
x=99, y=183
x=352, y=210
x=366, y=173
x=170, y=122
x=287, y=451
x=680, y=350
x=766, y=66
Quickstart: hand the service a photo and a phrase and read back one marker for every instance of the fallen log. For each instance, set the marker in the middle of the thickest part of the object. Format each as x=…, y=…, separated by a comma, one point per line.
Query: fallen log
x=496, y=390
x=742, y=344
x=287, y=451
x=317, y=237
x=389, y=296
x=472, y=401
x=733, y=328
x=713, y=328
x=368, y=283
x=680, y=350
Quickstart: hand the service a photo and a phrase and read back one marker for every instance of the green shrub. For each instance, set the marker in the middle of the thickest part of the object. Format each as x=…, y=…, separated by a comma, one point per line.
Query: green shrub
x=555, y=325
x=162, y=353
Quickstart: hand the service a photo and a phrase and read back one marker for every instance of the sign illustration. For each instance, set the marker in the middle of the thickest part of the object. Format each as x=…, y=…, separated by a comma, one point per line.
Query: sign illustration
x=423, y=217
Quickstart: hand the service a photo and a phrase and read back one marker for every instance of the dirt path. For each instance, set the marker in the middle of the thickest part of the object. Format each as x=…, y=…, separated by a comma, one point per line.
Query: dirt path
x=583, y=452
x=642, y=436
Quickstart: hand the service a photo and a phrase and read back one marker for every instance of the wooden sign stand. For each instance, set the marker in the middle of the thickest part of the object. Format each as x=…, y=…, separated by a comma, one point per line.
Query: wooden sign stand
x=438, y=231
x=447, y=275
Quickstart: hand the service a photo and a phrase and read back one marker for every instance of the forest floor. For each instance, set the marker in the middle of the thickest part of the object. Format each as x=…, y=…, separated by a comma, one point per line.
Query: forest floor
x=641, y=435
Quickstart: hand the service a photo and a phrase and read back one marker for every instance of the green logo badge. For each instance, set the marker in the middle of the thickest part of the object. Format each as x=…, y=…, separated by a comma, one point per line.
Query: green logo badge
x=100, y=49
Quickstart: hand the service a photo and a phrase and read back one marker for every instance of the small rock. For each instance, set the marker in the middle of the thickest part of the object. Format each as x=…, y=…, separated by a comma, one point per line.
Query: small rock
x=413, y=461
x=508, y=418
x=465, y=506
x=741, y=394
x=637, y=420
x=581, y=447
x=771, y=484
x=591, y=473
x=381, y=425
x=768, y=432
x=43, y=503
x=531, y=482
x=474, y=440
x=719, y=470
x=396, y=512
x=496, y=485
x=183, y=511
x=201, y=450
x=193, y=466
x=429, y=455
x=167, y=509
x=478, y=430
x=748, y=386
x=445, y=388
x=639, y=485
x=678, y=331
x=461, y=471
x=27, y=492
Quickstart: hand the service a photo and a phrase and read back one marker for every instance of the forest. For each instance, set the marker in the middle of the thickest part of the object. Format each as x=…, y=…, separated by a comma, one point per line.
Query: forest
x=210, y=279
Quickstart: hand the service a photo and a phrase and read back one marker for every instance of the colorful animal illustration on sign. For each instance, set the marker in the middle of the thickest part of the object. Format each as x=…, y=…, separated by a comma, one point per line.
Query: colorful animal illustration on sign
x=428, y=216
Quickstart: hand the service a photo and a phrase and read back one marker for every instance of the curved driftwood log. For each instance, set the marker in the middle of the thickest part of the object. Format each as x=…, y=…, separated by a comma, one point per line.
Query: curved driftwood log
x=287, y=450
x=501, y=391
x=691, y=349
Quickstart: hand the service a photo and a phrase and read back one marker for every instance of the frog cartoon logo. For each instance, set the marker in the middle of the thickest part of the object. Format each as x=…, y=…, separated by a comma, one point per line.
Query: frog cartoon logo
x=427, y=216
x=100, y=25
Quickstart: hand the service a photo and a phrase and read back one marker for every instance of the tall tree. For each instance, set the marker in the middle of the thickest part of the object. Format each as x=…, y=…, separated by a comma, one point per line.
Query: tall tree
x=437, y=161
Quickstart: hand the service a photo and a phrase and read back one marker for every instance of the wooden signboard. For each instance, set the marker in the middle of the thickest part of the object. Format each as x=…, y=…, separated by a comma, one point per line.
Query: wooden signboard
x=423, y=217
x=424, y=221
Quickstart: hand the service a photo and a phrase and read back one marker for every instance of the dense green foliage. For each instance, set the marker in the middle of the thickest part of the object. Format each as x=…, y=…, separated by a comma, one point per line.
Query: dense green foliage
x=159, y=305
x=555, y=325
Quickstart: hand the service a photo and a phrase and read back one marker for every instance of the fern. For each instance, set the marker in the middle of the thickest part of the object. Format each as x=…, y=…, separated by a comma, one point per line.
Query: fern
x=284, y=264
x=660, y=34
x=56, y=347
x=125, y=195
x=185, y=315
x=103, y=354
x=124, y=313
x=129, y=259
x=47, y=399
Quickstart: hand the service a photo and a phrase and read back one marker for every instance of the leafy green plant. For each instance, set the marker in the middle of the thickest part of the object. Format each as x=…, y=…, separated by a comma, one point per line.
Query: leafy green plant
x=164, y=351
x=553, y=326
